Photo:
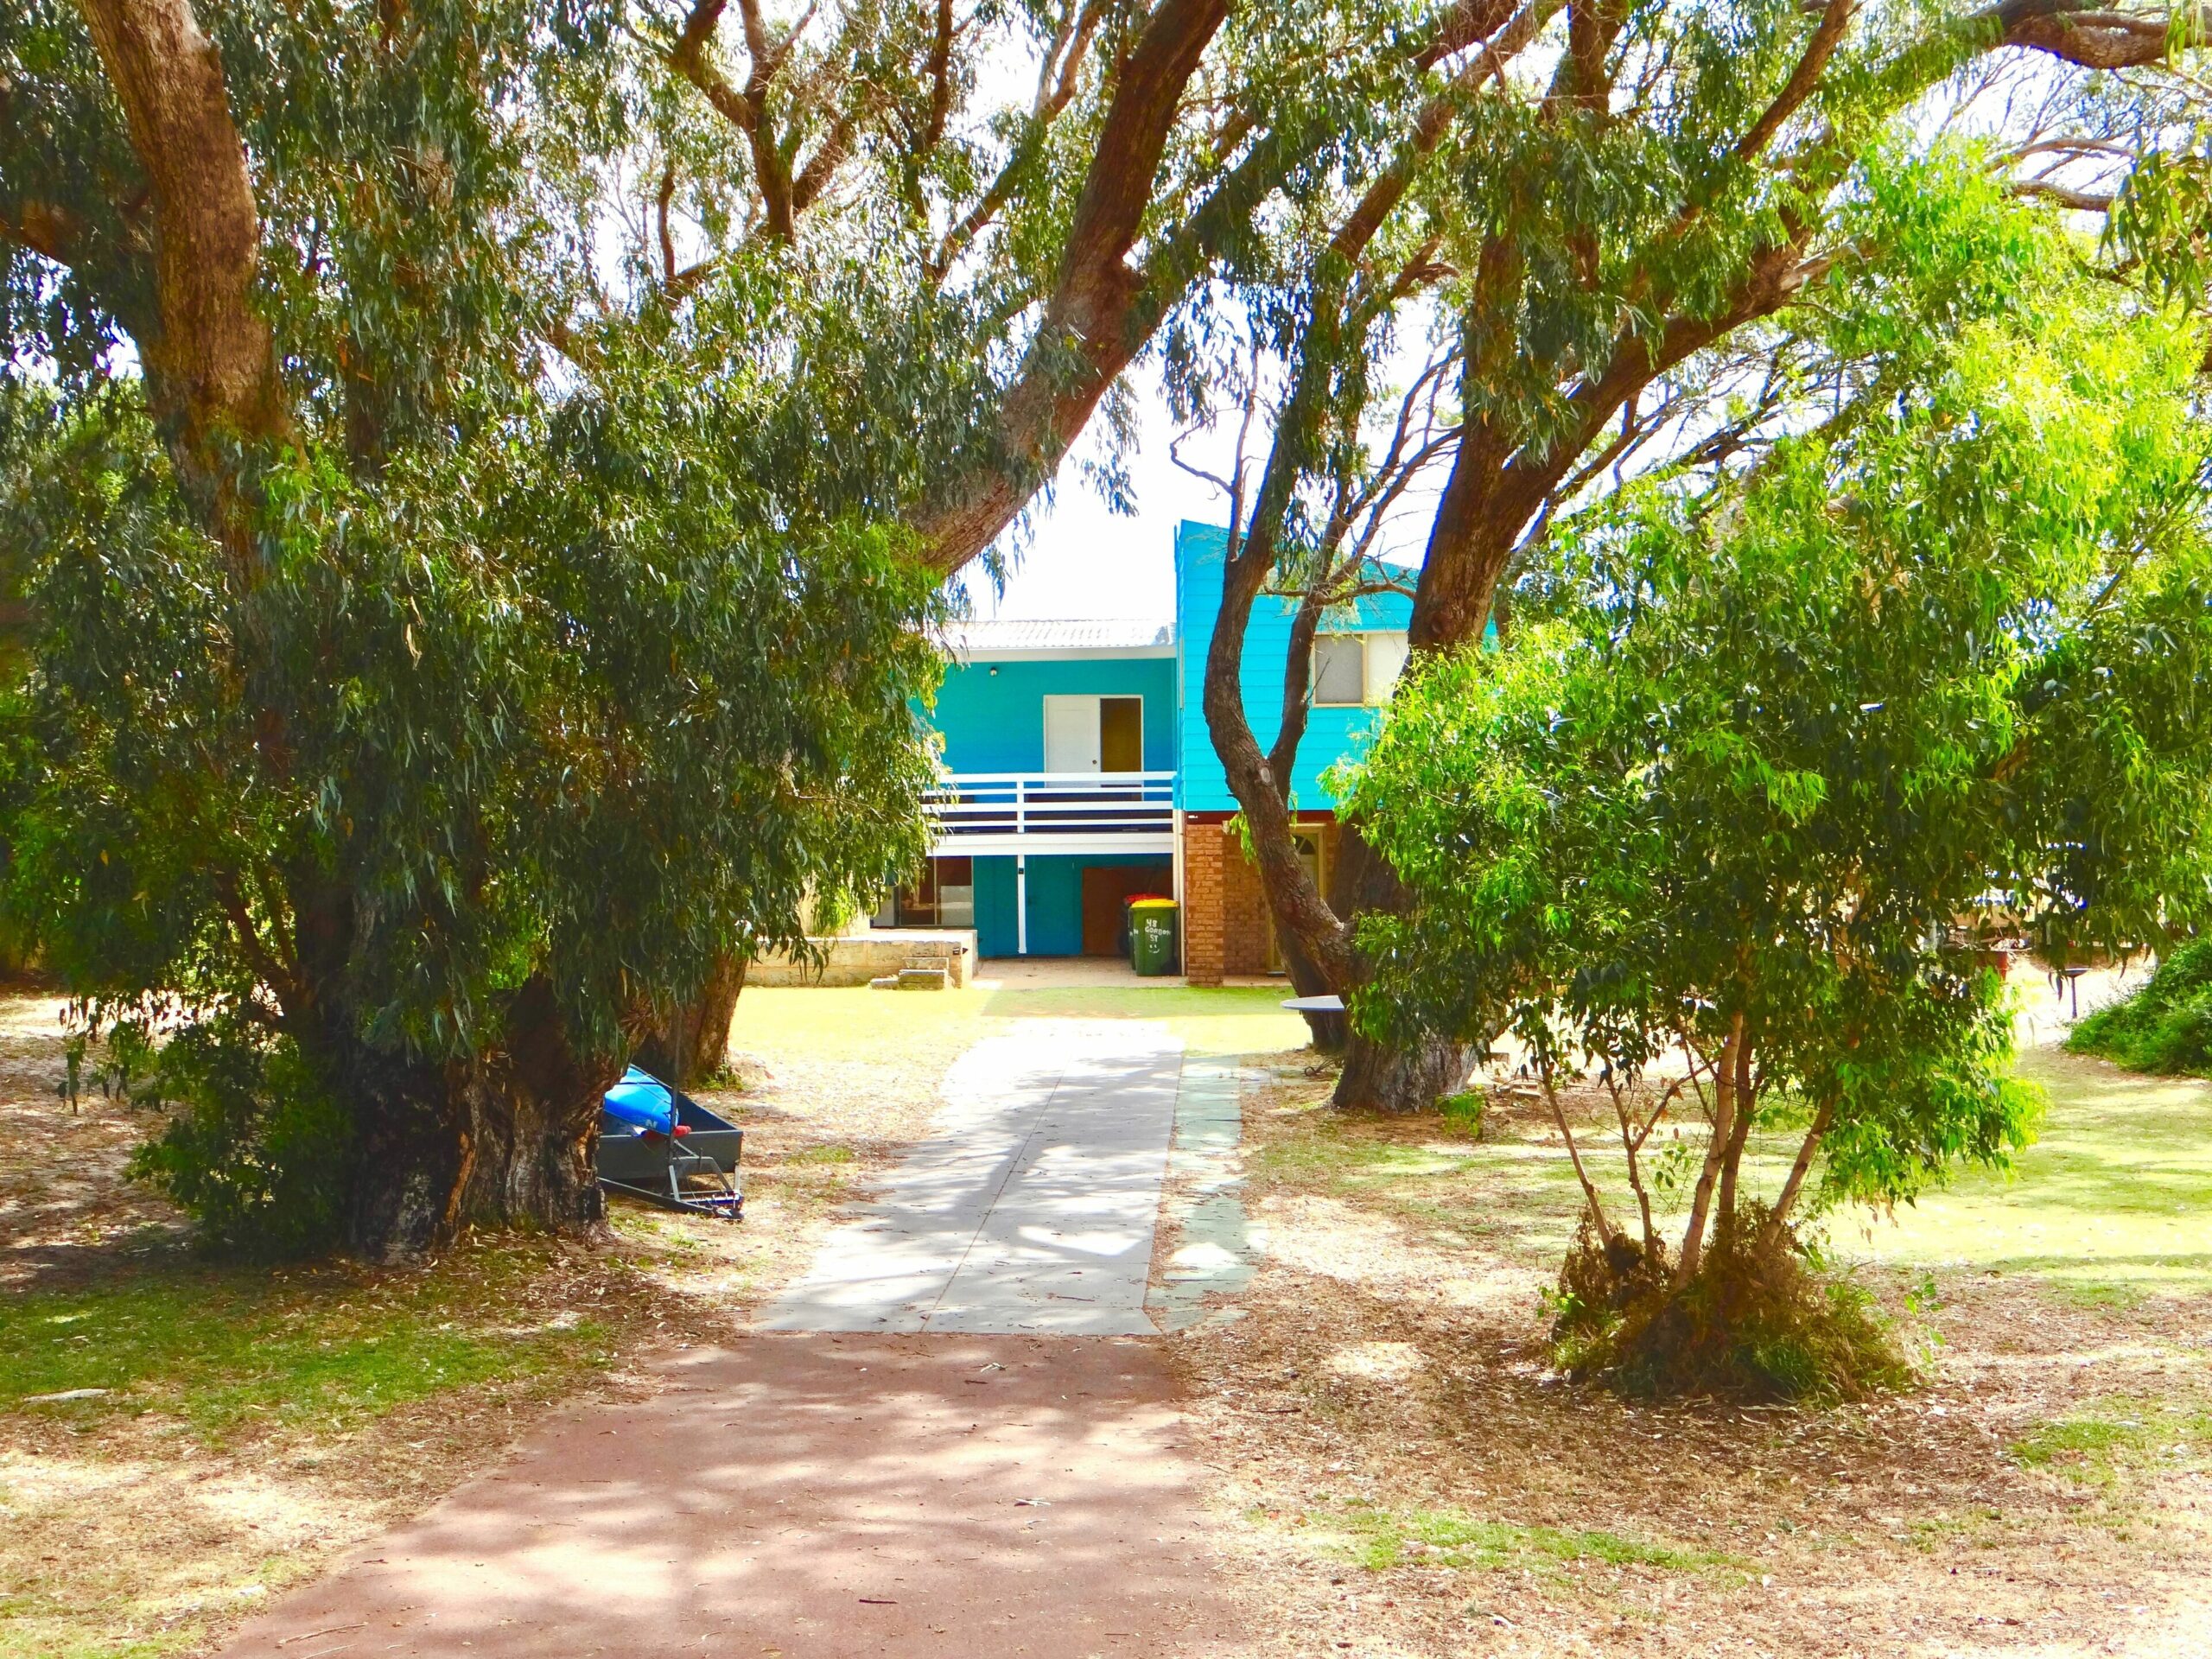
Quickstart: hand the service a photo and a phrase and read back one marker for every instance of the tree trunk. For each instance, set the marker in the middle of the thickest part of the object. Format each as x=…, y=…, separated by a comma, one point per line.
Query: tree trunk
x=691, y=1044
x=1328, y=1032
x=1377, y=1079
x=1716, y=1150
x=1732, y=1162
x=504, y=1140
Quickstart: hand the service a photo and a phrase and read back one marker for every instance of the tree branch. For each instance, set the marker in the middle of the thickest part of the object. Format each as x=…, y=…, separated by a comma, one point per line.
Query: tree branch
x=210, y=364
x=1085, y=337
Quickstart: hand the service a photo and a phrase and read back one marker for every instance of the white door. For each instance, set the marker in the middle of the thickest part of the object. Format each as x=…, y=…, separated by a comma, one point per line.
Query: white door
x=1071, y=734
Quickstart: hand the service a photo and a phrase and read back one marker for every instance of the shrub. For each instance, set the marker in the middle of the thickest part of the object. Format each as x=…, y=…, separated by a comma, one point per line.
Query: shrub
x=2165, y=1025
x=1760, y=1320
x=1463, y=1112
x=255, y=1151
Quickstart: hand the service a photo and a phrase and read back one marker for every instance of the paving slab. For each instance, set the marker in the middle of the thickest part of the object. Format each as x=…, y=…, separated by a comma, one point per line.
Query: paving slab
x=1031, y=1206
x=1217, y=1246
x=812, y=1496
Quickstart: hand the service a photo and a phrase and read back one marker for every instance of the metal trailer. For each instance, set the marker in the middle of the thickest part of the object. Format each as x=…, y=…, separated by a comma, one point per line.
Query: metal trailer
x=659, y=1144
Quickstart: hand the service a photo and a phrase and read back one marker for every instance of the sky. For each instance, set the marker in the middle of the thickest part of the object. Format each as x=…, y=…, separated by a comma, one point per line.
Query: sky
x=1083, y=559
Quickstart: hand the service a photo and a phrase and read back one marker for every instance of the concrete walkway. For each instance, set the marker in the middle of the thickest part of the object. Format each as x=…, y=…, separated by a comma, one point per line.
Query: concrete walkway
x=1030, y=1210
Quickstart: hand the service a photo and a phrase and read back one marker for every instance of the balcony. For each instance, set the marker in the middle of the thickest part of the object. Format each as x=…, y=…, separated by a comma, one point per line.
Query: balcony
x=982, y=813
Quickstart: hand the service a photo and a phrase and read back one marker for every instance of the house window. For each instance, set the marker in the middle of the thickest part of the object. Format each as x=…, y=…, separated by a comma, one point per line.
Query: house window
x=1352, y=669
x=1340, y=670
x=1386, y=660
x=944, y=895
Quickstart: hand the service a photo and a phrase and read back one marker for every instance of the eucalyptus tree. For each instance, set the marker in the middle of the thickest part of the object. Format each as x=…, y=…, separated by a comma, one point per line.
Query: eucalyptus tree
x=537, y=605
x=1620, y=216
x=418, y=712
x=1723, y=837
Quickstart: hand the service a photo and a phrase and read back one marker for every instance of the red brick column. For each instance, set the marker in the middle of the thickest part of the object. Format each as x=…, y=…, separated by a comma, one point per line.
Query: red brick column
x=1245, y=925
x=1202, y=932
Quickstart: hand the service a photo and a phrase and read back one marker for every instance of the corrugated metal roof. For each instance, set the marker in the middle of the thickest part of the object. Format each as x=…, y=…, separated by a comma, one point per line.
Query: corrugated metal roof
x=1008, y=637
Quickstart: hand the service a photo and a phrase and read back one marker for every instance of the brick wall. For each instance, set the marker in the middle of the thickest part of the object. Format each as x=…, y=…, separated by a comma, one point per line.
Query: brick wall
x=1245, y=929
x=1202, y=941
x=1225, y=928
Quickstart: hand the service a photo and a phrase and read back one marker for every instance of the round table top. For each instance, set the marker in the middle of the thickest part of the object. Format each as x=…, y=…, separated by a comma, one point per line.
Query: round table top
x=1315, y=1004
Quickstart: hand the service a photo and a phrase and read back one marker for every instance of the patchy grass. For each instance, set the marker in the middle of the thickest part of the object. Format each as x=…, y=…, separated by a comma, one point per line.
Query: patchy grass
x=248, y=1424
x=221, y=1350
x=827, y=1153
x=1380, y=1540
x=1388, y=1403
x=2116, y=1437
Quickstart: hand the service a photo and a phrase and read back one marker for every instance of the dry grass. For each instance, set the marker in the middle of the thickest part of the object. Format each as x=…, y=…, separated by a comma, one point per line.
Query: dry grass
x=1401, y=1471
x=1397, y=1470
x=256, y=1423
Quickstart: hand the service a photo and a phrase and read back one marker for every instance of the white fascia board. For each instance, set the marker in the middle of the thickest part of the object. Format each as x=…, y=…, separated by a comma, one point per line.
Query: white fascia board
x=1075, y=653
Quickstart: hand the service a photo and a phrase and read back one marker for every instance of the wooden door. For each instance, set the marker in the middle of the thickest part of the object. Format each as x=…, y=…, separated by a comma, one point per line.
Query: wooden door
x=1101, y=910
x=1121, y=734
x=1105, y=889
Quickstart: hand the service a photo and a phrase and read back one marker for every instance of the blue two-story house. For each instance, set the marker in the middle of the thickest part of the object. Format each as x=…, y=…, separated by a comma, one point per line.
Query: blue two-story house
x=1079, y=771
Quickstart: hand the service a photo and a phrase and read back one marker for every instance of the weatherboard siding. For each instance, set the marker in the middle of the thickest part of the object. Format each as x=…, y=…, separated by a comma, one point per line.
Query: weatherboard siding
x=995, y=723
x=1330, y=734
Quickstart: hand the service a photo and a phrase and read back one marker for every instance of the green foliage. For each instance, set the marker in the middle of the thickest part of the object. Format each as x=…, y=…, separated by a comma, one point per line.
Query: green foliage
x=1779, y=739
x=1757, y=1322
x=1773, y=755
x=257, y=1151
x=2165, y=1025
x=529, y=674
x=1463, y=1112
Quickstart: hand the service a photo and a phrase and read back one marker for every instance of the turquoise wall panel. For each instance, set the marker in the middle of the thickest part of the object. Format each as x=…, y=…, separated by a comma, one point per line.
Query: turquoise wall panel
x=992, y=715
x=1330, y=734
x=995, y=924
x=1056, y=906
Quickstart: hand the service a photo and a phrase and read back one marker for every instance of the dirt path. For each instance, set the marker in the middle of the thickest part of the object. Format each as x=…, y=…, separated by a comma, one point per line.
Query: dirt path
x=945, y=1440
x=815, y=1497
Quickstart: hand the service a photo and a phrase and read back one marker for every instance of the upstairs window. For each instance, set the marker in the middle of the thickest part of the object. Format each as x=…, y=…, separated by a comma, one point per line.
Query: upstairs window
x=1340, y=670
x=1386, y=660
x=1351, y=669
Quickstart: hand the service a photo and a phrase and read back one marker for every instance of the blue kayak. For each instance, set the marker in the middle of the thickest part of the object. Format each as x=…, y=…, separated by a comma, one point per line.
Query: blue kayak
x=644, y=1102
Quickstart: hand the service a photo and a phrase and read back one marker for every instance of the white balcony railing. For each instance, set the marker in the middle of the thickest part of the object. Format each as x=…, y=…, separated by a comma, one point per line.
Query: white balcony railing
x=1016, y=811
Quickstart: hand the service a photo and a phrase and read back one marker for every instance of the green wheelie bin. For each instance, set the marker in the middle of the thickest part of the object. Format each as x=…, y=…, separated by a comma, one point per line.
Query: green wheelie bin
x=1152, y=936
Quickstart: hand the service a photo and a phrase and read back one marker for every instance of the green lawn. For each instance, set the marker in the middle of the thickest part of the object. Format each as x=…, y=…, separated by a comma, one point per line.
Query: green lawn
x=223, y=1349
x=862, y=1024
x=1212, y=1022
x=2114, y=1202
